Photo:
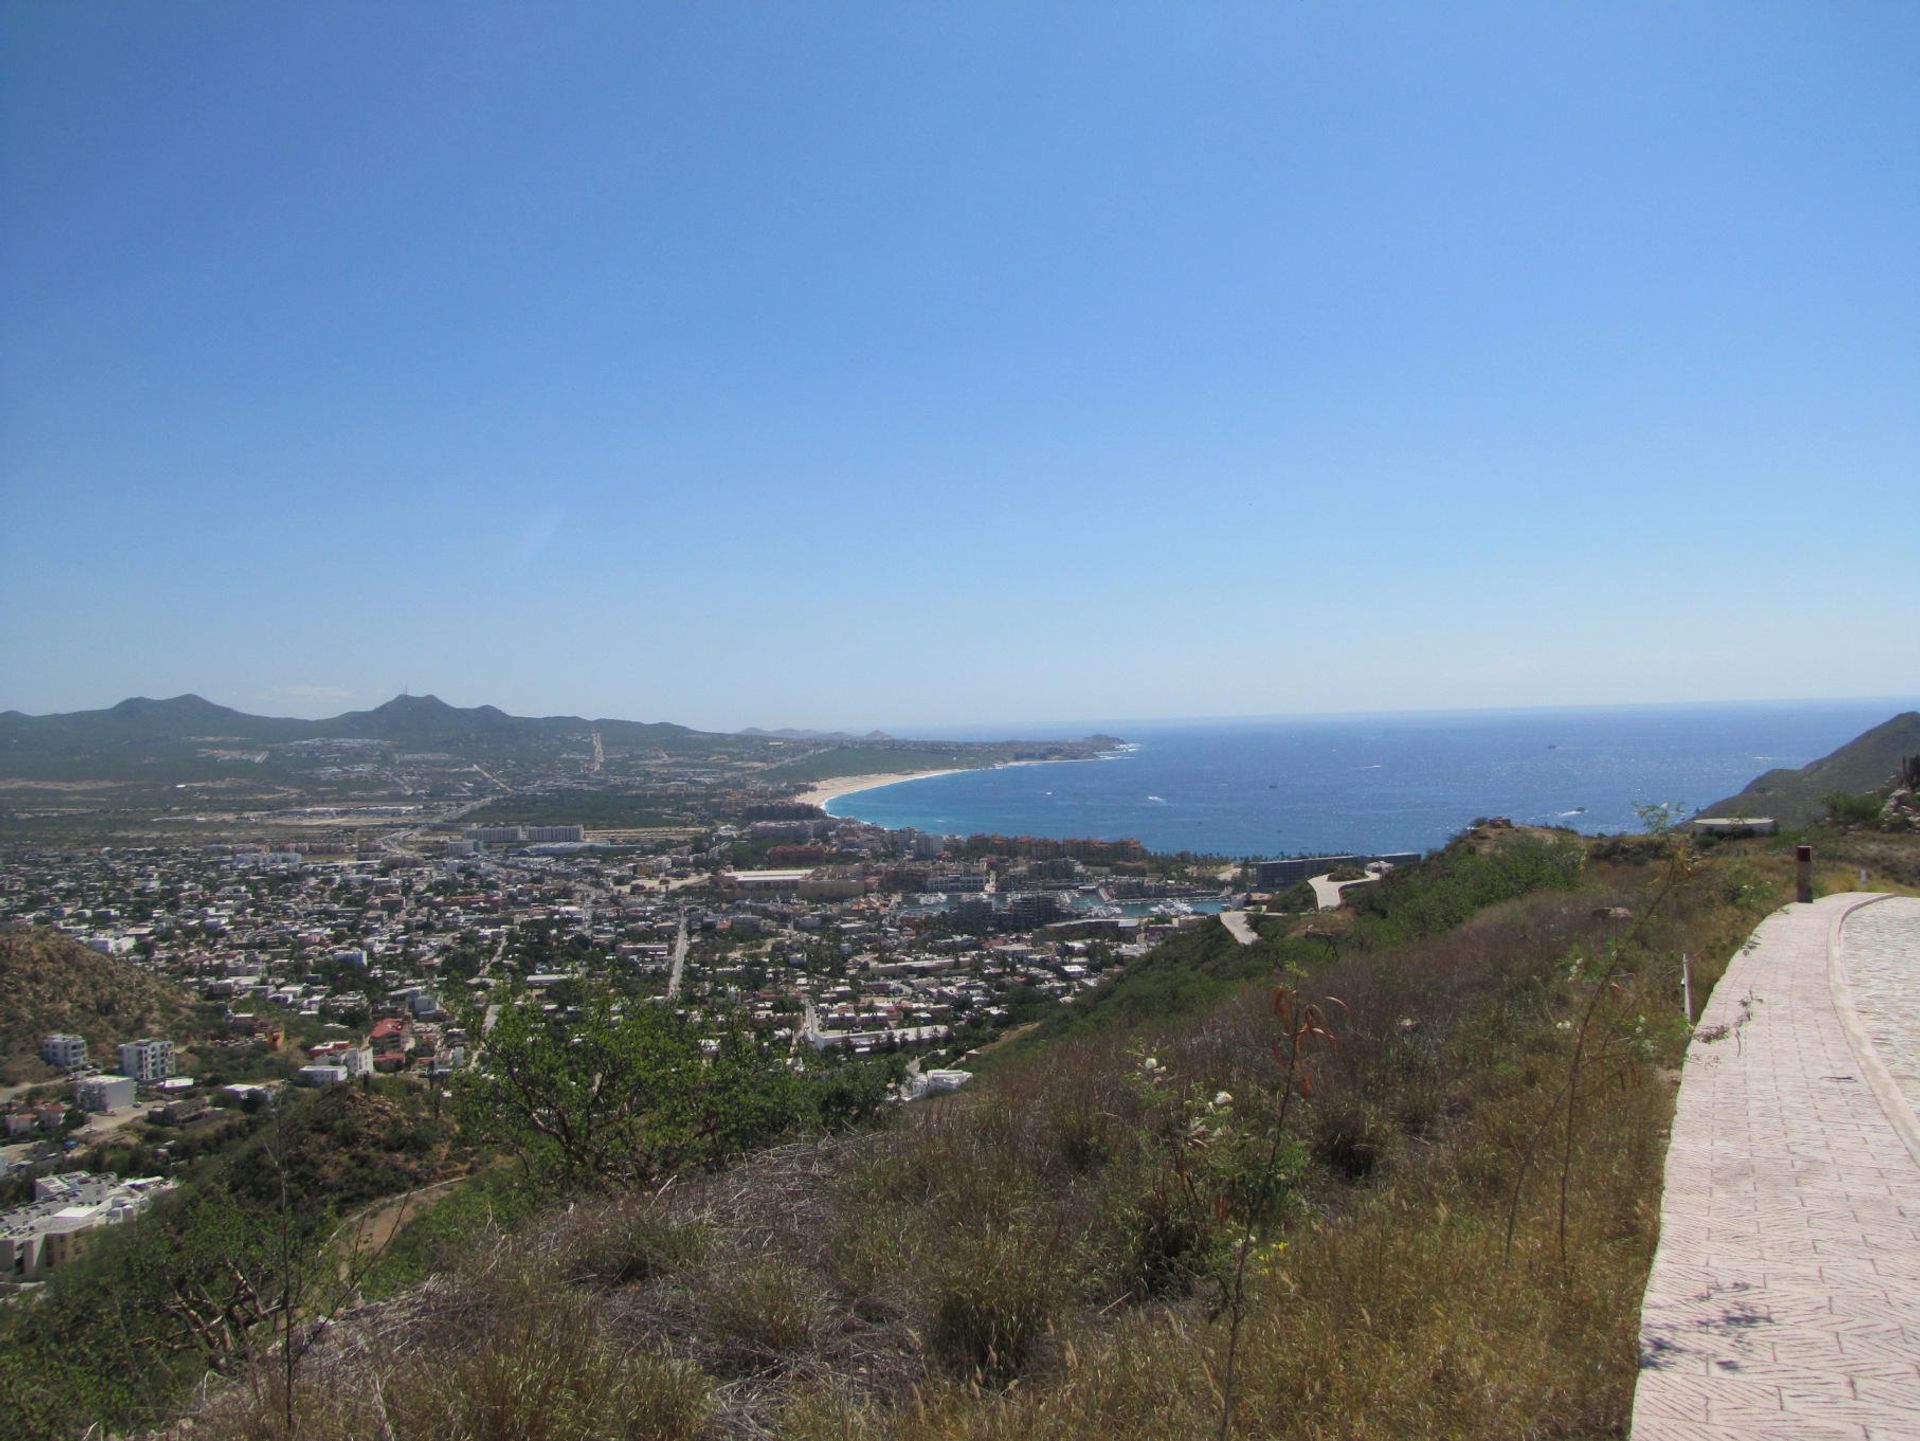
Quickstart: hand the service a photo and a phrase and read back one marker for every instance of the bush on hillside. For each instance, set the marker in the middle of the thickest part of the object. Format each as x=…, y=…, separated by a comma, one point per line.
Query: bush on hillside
x=627, y=1093
x=1849, y=808
x=1415, y=902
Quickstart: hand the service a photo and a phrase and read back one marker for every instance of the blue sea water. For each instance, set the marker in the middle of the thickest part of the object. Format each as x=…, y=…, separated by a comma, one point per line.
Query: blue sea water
x=1375, y=783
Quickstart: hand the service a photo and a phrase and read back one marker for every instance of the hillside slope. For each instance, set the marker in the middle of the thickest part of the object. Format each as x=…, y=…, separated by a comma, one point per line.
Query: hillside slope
x=51, y=983
x=1798, y=797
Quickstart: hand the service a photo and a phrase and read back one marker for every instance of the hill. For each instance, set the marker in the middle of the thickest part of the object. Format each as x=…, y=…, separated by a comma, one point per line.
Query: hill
x=157, y=739
x=51, y=983
x=1798, y=797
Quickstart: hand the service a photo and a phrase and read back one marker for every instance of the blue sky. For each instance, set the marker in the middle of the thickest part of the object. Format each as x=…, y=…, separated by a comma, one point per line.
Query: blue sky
x=934, y=364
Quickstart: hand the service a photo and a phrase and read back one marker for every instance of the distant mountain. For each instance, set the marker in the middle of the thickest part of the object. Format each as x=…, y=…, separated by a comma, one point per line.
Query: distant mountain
x=427, y=719
x=1798, y=797
x=190, y=739
x=141, y=719
x=143, y=737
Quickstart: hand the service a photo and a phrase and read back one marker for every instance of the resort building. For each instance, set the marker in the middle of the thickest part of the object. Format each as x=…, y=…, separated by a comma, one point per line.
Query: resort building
x=55, y=1229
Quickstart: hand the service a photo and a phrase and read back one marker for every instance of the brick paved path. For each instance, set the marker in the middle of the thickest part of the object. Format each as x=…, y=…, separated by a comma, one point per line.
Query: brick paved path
x=1784, y=1303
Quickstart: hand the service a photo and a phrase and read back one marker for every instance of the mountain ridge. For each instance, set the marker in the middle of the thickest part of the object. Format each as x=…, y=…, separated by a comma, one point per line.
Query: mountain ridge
x=1798, y=797
x=182, y=717
x=189, y=738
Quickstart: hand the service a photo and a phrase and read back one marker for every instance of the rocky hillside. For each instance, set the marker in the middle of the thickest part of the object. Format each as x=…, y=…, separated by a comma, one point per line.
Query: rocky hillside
x=51, y=983
x=1798, y=797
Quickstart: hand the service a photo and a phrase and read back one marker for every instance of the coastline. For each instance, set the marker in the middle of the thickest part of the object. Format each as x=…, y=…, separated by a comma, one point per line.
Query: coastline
x=821, y=792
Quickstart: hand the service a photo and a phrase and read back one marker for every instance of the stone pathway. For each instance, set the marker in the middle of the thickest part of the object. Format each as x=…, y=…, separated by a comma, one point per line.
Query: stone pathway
x=1784, y=1303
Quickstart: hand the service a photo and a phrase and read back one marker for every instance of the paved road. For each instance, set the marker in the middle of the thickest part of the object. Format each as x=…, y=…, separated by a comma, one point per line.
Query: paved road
x=1785, y=1295
x=679, y=960
x=1239, y=927
x=1326, y=890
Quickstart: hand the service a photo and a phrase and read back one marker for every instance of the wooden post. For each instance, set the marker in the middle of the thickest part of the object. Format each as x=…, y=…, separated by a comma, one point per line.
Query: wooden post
x=1803, y=858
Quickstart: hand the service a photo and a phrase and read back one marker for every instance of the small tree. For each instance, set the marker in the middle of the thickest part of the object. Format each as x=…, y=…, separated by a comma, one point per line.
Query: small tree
x=624, y=1093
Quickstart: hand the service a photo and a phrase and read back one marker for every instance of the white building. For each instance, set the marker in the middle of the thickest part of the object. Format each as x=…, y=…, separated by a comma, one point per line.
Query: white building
x=148, y=1059
x=63, y=1050
x=353, y=1061
x=103, y=1093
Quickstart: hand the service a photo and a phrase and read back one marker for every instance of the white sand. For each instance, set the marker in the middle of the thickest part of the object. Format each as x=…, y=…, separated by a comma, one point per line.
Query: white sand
x=823, y=791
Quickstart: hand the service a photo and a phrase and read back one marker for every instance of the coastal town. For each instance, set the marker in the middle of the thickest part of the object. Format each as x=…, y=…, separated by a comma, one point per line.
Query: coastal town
x=317, y=967
x=350, y=906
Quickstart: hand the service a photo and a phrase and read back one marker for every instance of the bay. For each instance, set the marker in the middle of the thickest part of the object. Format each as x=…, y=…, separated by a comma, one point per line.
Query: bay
x=1376, y=783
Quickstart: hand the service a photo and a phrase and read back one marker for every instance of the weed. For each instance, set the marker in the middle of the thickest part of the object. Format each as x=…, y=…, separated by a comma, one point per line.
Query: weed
x=1349, y=1137
x=764, y=1310
x=624, y=1246
x=993, y=1298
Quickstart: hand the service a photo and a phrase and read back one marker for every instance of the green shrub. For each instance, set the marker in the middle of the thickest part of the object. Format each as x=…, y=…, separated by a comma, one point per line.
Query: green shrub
x=1166, y=1248
x=1350, y=1137
x=1415, y=902
x=1847, y=808
x=1298, y=897
x=626, y=1094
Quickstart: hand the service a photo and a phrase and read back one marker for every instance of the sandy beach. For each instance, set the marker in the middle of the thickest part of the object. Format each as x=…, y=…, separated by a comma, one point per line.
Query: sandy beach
x=821, y=792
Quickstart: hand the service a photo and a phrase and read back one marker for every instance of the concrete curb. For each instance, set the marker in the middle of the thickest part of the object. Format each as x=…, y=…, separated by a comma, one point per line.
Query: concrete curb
x=1885, y=1089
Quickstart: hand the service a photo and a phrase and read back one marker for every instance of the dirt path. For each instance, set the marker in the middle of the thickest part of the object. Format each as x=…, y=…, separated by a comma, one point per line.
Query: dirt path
x=368, y=1232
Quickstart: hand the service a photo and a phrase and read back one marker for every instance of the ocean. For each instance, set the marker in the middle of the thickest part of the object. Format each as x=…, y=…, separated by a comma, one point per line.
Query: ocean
x=1376, y=783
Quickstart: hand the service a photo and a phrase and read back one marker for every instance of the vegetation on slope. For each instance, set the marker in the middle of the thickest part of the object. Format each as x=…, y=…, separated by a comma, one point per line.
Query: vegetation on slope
x=1202, y=966
x=1799, y=797
x=207, y=1280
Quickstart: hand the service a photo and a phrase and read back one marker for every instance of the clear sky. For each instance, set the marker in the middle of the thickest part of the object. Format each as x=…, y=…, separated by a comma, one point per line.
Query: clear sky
x=905, y=364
